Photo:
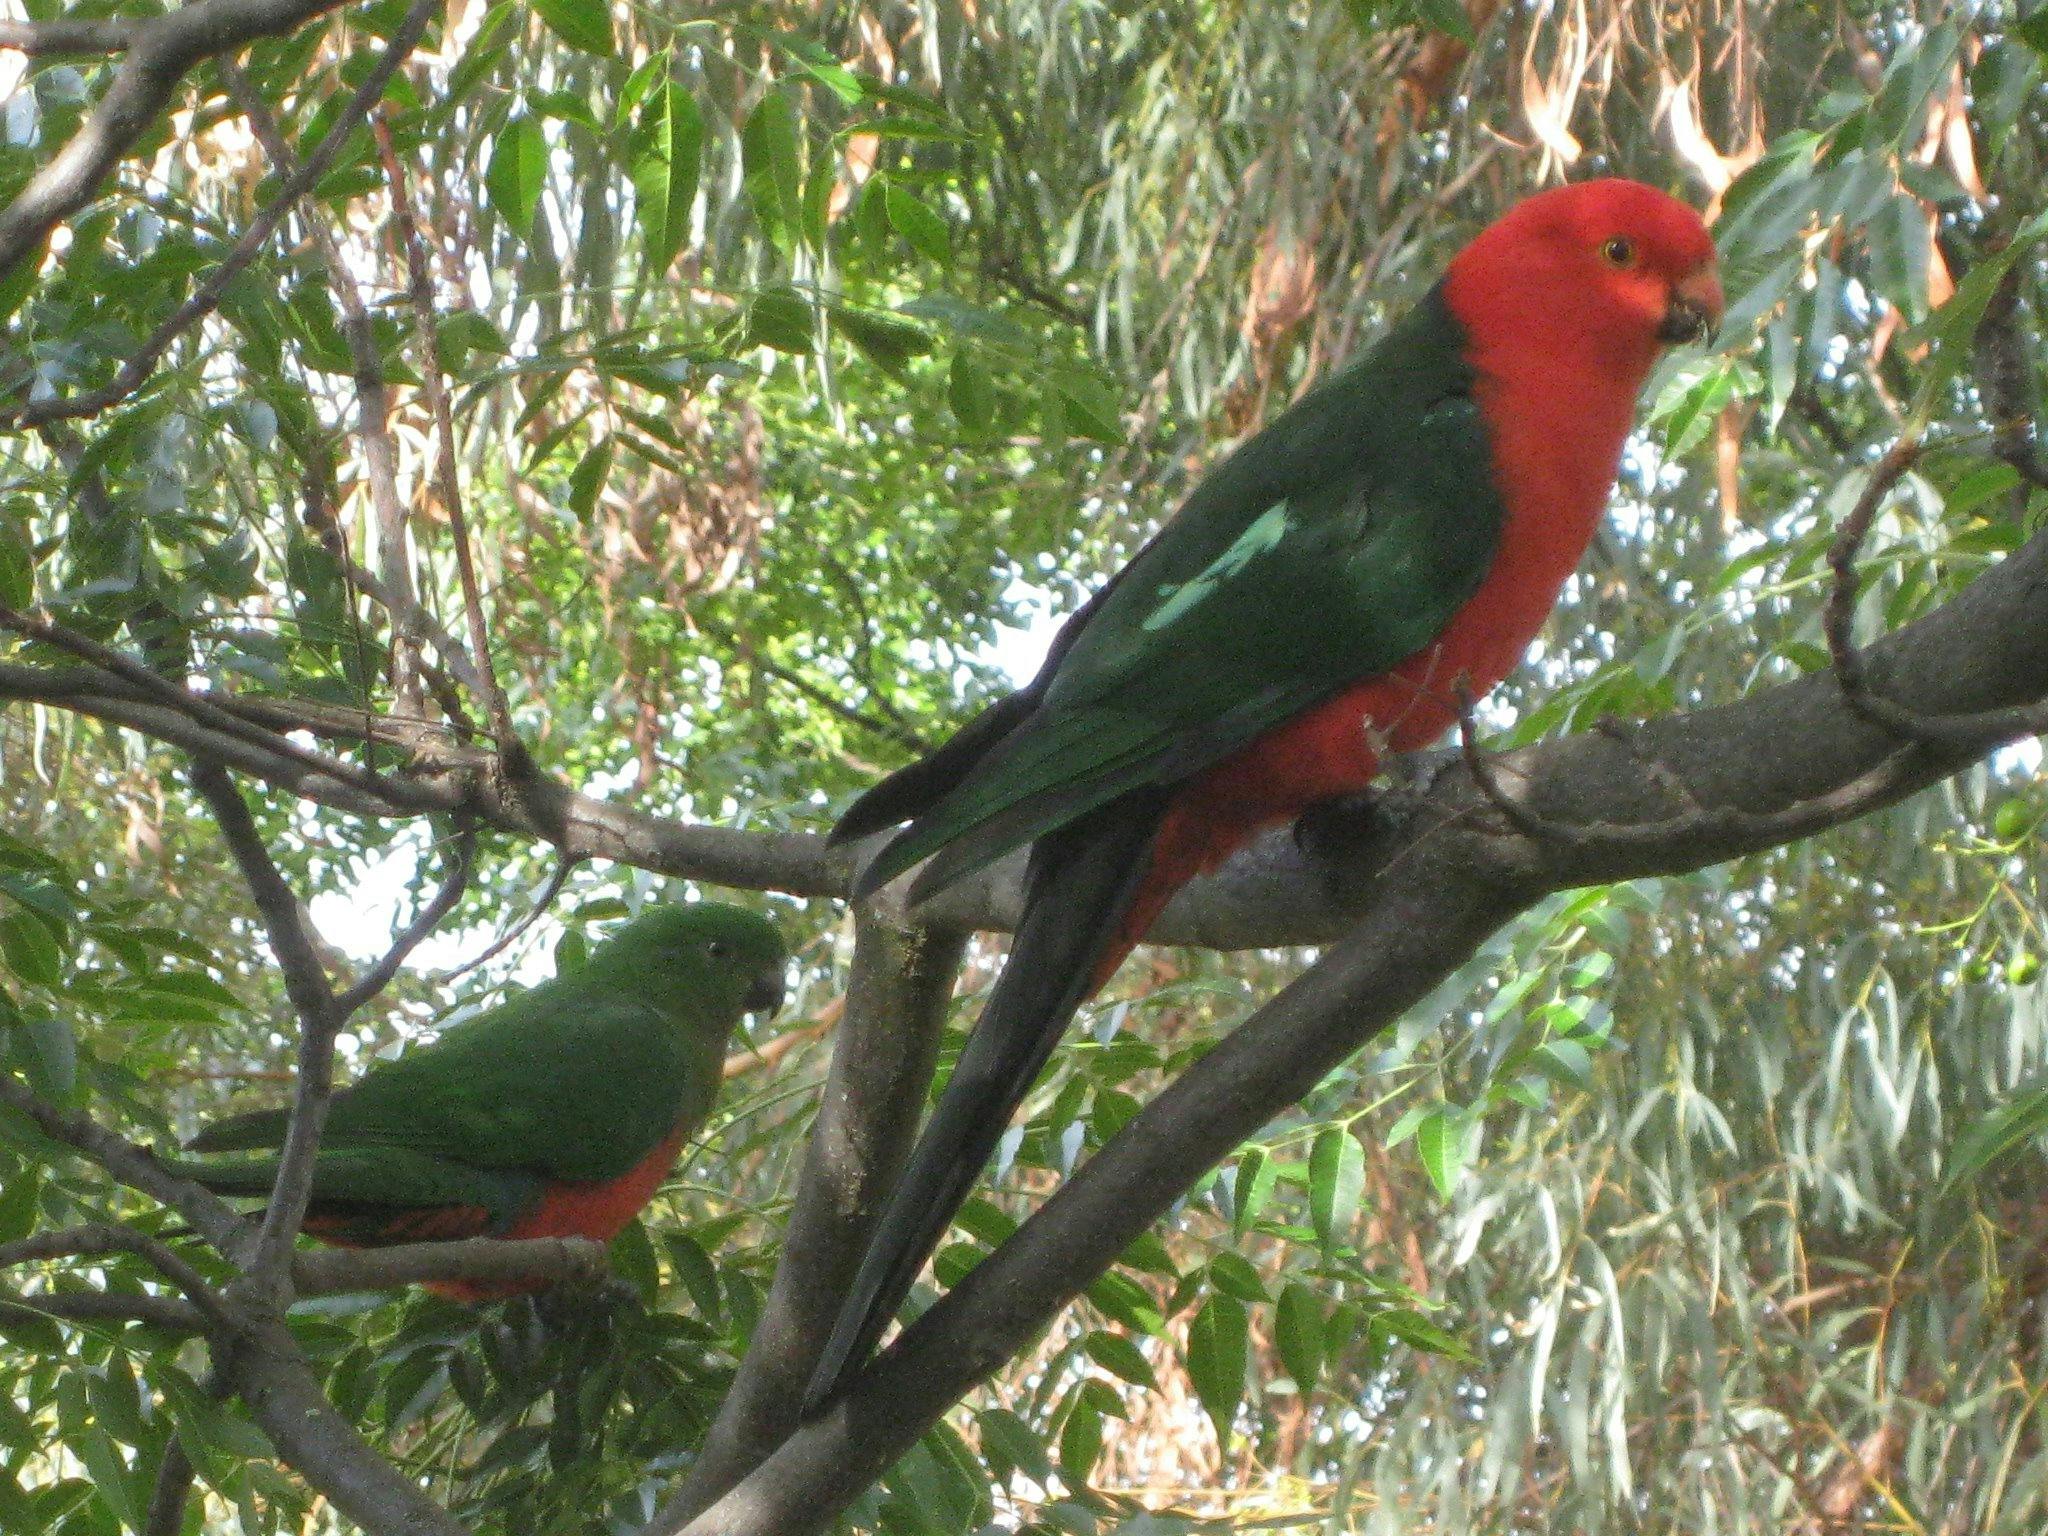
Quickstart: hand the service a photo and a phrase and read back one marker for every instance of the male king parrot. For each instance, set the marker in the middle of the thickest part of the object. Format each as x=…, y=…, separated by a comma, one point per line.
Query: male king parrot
x=555, y=1114
x=1397, y=535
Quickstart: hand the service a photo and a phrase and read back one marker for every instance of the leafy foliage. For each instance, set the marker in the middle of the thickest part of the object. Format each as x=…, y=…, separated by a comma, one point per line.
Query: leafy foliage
x=799, y=359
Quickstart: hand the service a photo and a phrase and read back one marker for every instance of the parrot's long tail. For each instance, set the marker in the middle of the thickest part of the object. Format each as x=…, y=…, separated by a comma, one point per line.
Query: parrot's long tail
x=1084, y=885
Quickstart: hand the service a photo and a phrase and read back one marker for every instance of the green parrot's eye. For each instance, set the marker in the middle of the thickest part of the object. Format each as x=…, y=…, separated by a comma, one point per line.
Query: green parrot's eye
x=1619, y=251
x=717, y=948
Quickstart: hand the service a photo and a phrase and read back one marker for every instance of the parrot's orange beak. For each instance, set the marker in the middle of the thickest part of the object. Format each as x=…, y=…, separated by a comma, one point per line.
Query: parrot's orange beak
x=1695, y=311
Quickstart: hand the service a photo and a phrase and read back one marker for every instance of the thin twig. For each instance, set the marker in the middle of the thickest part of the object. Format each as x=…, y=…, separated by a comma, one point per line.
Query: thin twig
x=1881, y=783
x=199, y=706
x=95, y=1308
x=511, y=750
x=556, y=882
x=203, y=299
x=380, y=459
x=1966, y=729
x=378, y=977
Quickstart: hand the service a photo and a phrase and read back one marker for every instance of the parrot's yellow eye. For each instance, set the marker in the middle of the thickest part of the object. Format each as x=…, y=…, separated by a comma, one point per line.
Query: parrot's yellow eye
x=1619, y=251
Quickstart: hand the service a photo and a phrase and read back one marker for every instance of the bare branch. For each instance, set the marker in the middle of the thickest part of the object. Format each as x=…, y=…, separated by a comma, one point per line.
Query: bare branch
x=487, y=1260
x=101, y=1307
x=378, y=977
x=1941, y=726
x=512, y=752
x=200, y=707
x=169, y=1493
x=210, y=1216
x=272, y=1377
x=320, y=1019
x=2005, y=380
x=101, y=1240
x=164, y=49
x=61, y=36
x=380, y=460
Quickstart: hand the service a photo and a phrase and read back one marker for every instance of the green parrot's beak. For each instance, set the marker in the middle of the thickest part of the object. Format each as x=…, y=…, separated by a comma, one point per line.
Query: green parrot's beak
x=765, y=994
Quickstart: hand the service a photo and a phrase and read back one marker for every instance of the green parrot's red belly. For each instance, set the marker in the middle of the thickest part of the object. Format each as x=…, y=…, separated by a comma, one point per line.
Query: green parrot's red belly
x=598, y=1210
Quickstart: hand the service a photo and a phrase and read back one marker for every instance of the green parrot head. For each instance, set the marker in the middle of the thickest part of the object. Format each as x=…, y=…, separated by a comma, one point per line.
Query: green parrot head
x=728, y=957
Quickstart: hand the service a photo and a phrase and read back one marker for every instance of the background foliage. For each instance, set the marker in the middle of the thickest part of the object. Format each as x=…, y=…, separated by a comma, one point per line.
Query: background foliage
x=802, y=356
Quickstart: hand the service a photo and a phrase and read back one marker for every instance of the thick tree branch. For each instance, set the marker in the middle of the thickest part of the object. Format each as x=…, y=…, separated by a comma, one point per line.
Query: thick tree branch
x=1414, y=896
x=271, y=1376
x=874, y=1093
x=161, y=51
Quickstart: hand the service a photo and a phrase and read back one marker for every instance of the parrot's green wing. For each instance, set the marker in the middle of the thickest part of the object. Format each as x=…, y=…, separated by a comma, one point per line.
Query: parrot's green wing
x=1332, y=546
x=578, y=1079
x=358, y=1189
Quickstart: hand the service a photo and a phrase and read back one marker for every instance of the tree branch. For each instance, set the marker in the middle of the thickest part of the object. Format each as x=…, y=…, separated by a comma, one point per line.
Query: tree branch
x=272, y=1377
x=209, y=1215
x=101, y=1240
x=62, y=36
x=320, y=1019
x=874, y=1095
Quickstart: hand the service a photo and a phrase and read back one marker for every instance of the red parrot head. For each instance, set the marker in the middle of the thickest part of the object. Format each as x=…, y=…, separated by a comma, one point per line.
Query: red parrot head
x=1610, y=269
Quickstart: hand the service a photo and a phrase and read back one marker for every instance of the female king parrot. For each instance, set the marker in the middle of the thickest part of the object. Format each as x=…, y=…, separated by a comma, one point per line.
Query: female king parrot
x=555, y=1114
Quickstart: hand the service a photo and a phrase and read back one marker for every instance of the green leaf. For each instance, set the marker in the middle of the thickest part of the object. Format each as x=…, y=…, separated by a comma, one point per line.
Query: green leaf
x=665, y=151
x=781, y=318
x=971, y=392
x=1218, y=1351
x=17, y=567
x=1997, y=1137
x=585, y=24
x=1446, y=16
x=586, y=480
x=1900, y=252
x=110, y=1474
x=1119, y=1356
x=1233, y=1275
x=1413, y=1329
x=1336, y=1179
x=1010, y=1438
x=1256, y=1175
x=916, y=223
x=1443, y=1142
x=29, y=948
x=518, y=169
x=768, y=153
x=1298, y=1332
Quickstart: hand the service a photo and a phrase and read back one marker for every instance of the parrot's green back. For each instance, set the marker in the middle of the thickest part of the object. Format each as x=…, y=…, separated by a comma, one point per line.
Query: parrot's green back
x=575, y=1081
x=1333, y=545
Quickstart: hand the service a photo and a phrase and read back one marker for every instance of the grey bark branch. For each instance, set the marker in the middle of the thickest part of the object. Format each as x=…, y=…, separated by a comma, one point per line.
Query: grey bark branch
x=320, y=1019
x=272, y=1377
x=896, y=1006
x=60, y=36
x=1414, y=896
x=209, y=1215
